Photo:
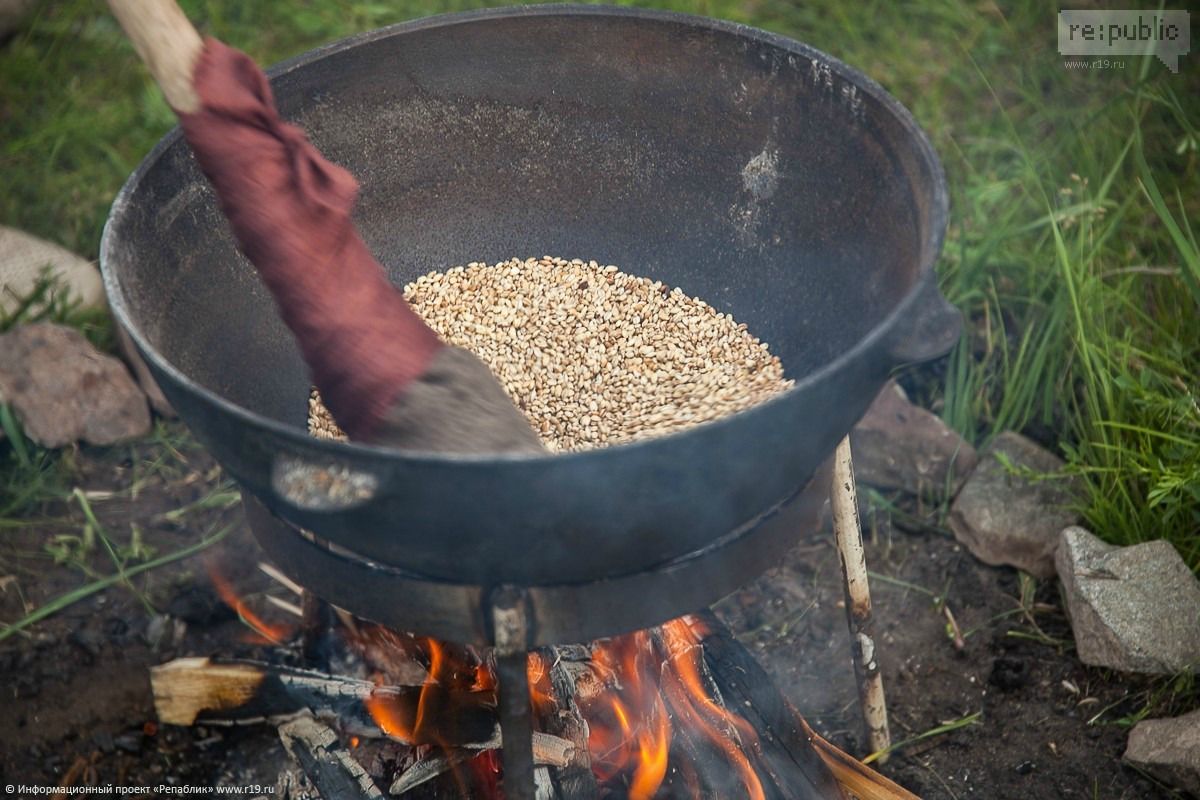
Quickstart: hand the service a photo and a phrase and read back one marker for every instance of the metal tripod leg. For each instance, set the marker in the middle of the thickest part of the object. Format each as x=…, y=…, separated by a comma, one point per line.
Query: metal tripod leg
x=510, y=633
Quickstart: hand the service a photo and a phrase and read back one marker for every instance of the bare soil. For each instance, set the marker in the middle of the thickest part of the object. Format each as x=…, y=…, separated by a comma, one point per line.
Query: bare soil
x=77, y=707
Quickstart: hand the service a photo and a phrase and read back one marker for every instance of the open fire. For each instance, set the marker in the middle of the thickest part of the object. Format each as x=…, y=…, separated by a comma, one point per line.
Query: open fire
x=635, y=695
x=676, y=711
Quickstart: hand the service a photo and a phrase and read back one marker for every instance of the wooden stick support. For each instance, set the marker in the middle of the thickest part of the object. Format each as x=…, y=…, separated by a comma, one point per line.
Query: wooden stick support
x=168, y=44
x=846, y=528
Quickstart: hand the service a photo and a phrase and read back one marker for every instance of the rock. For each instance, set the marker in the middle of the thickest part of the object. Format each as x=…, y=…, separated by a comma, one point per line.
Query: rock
x=63, y=389
x=1008, y=519
x=1168, y=749
x=24, y=257
x=898, y=445
x=1135, y=609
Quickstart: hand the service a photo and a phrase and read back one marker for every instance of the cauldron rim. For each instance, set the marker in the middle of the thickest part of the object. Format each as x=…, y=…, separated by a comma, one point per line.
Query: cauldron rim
x=885, y=328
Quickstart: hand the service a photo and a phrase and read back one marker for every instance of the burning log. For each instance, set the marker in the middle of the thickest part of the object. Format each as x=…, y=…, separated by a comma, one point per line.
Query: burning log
x=705, y=731
x=190, y=691
x=548, y=751
x=754, y=739
x=563, y=718
x=783, y=751
x=316, y=748
x=681, y=710
x=792, y=753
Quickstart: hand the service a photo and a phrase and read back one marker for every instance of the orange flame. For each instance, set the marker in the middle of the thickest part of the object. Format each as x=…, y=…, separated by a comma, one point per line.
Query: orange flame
x=692, y=700
x=655, y=684
x=541, y=691
x=438, y=673
x=267, y=633
x=640, y=740
x=415, y=726
x=653, y=749
x=630, y=726
x=385, y=709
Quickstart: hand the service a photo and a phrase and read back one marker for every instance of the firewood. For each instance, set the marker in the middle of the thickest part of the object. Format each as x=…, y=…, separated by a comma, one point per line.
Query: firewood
x=575, y=780
x=316, y=748
x=426, y=770
x=710, y=759
x=786, y=753
x=855, y=776
x=548, y=751
x=189, y=691
x=789, y=743
x=543, y=786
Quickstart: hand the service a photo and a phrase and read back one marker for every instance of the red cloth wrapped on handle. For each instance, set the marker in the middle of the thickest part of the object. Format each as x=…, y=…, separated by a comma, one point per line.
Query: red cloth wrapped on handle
x=290, y=212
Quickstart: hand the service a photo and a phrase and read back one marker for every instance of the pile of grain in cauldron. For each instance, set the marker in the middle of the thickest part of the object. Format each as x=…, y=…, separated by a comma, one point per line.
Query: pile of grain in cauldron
x=593, y=356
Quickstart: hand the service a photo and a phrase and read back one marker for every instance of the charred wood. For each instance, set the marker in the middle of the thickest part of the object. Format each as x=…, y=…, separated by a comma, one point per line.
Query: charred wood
x=786, y=752
x=711, y=757
x=548, y=751
x=330, y=767
x=564, y=719
x=315, y=626
x=189, y=691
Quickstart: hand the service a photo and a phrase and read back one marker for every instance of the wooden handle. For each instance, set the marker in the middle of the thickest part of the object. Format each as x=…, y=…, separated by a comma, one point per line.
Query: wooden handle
x=167, y=44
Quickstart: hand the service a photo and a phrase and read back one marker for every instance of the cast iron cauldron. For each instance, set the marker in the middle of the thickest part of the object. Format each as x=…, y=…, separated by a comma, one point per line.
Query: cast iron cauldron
x=751, y=170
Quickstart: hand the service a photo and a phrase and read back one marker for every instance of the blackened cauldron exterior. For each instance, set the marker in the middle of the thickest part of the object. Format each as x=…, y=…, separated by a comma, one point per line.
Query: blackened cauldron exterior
x=751, y=170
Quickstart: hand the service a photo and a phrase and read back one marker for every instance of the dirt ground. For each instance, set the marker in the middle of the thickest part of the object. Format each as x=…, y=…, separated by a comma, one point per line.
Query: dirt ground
x=78, y=710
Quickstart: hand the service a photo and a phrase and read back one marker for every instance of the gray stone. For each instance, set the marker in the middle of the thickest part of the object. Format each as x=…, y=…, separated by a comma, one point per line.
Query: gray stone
x=62, y=389
x=1168, y=749
x=898, y=445
x=1008, y=518
x=1135, y=609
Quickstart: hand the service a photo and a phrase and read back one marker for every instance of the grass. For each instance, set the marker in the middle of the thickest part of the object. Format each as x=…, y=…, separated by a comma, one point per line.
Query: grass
x=38, y=487
x=1071, y=249
x=938, y=730
x=122, y=575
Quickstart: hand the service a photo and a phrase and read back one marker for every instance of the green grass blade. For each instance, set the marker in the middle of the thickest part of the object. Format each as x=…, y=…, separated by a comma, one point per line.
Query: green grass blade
x=74, y=596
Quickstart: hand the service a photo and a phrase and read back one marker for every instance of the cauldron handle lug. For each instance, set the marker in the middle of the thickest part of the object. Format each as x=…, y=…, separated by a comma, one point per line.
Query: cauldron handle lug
x=327, y=485
x=930, y=327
